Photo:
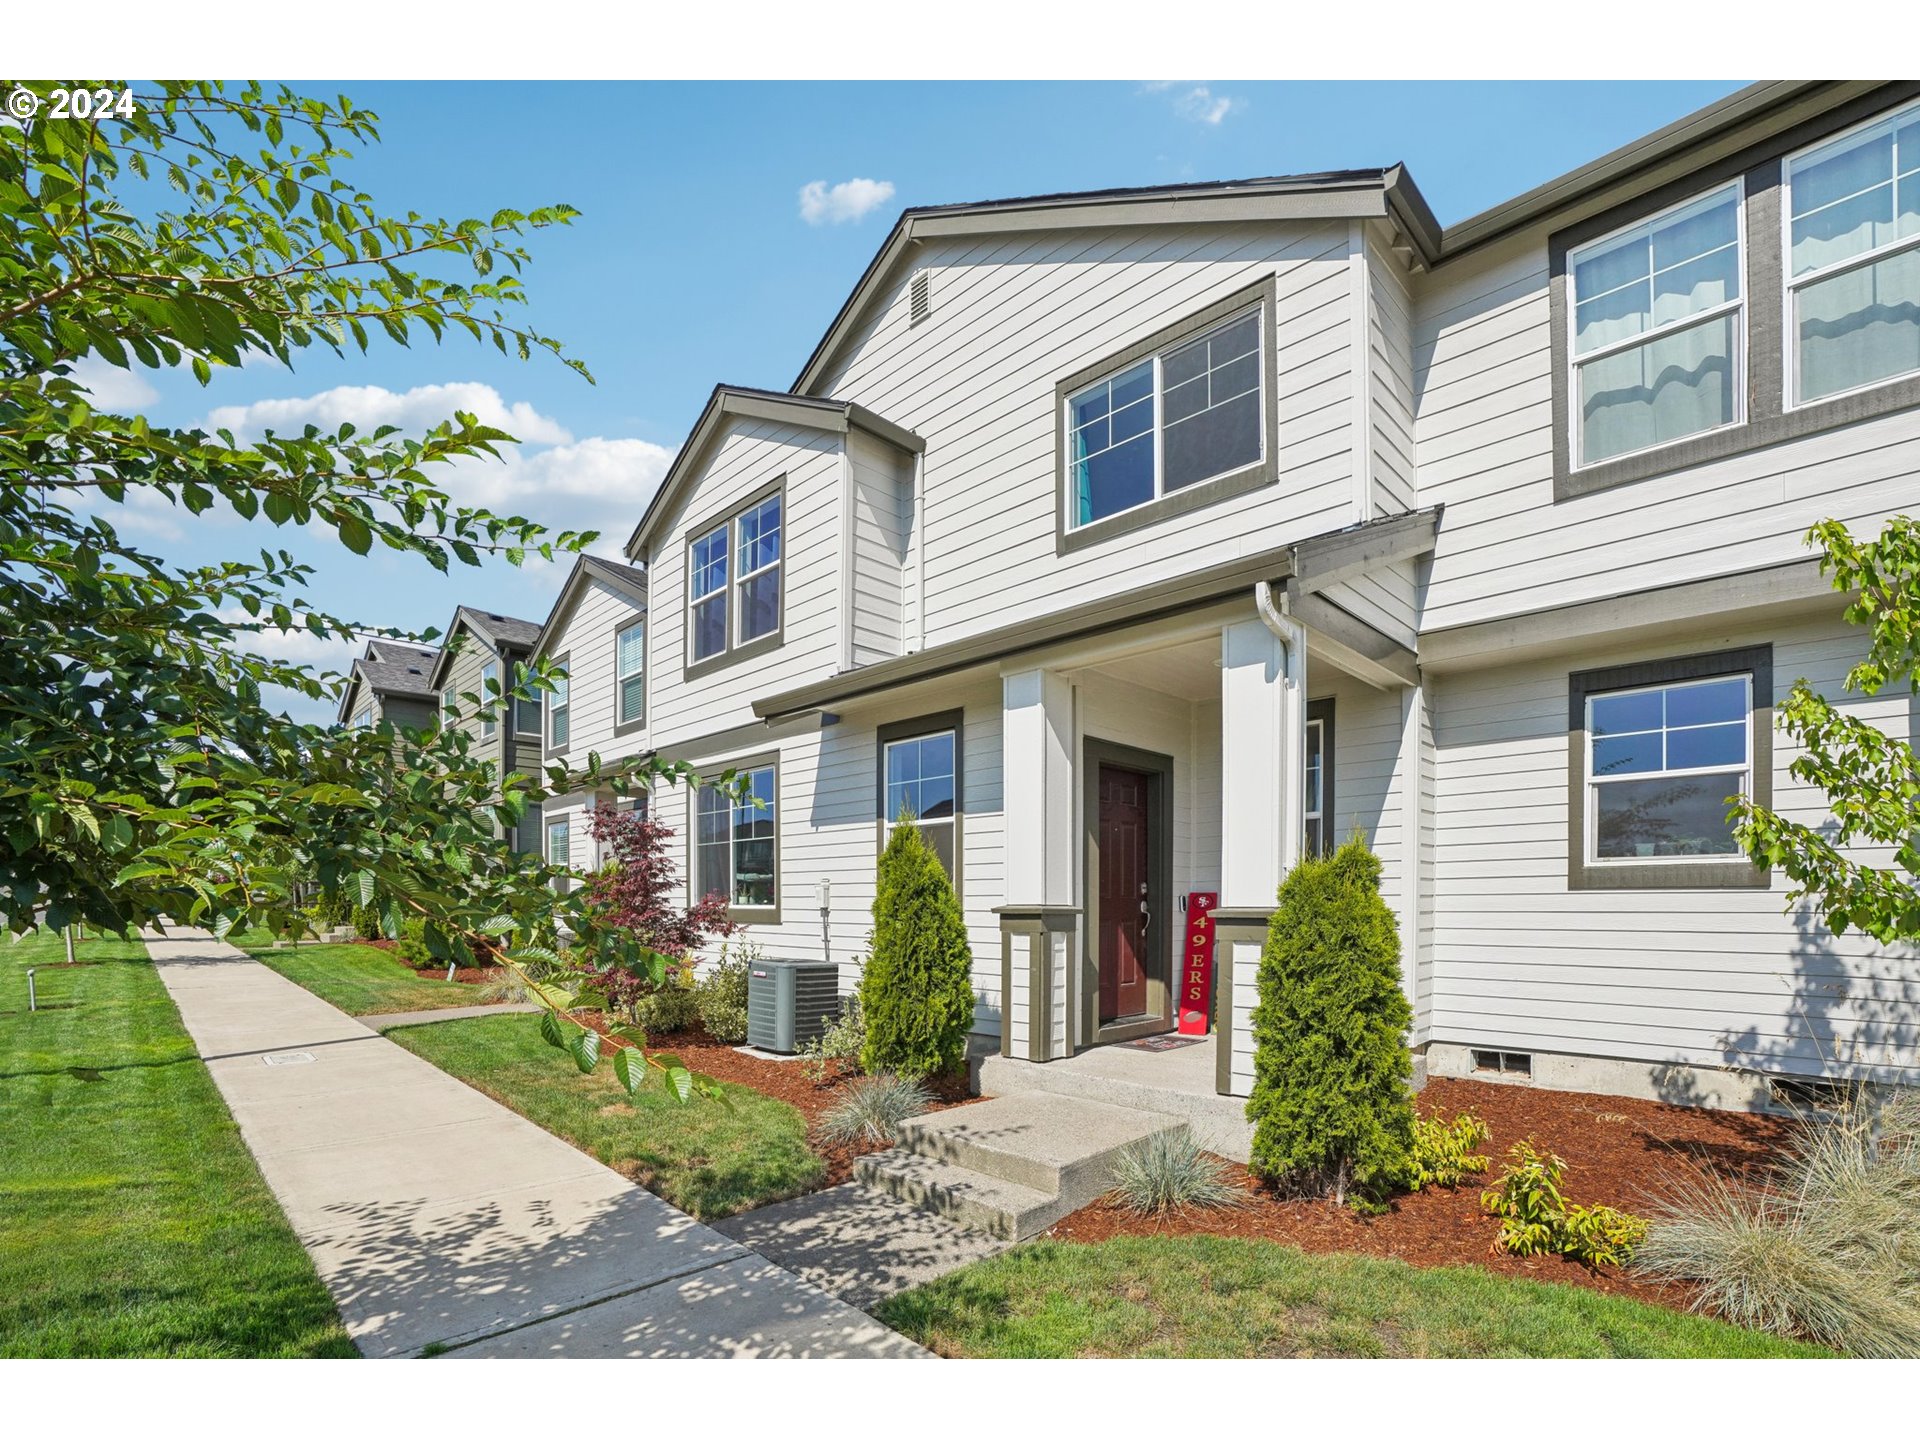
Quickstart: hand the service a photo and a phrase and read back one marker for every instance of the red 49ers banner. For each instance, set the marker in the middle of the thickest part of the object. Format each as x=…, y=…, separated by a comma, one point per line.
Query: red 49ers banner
x=1196, y=968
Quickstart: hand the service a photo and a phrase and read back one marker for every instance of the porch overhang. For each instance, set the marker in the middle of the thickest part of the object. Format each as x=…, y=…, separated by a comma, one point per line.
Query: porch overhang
x=1318, y=561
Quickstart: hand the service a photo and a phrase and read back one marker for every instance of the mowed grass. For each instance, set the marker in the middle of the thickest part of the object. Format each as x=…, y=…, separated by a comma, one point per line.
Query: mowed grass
x=709, y=1159
x=1212, y=1297
x=358, y=978
x=133, y=1221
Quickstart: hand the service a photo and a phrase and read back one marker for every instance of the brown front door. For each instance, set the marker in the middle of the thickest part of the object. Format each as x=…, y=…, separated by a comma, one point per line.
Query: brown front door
x=1123, y=836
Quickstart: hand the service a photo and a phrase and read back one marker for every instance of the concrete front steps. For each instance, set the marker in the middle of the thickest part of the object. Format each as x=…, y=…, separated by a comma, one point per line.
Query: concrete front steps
x=1011, y=1166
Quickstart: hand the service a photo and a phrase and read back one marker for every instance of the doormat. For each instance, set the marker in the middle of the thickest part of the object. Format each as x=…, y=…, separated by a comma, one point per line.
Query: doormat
x=1164, y=1042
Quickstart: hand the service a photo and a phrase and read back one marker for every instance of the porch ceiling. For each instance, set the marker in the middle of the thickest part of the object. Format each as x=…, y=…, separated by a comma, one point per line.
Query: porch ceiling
x=1190, y=671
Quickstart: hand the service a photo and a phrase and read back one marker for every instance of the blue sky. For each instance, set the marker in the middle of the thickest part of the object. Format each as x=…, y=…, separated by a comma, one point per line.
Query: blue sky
x=694, y=263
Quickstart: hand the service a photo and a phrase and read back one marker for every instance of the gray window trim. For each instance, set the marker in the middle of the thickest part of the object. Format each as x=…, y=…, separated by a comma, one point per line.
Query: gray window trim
x=639, y=617
x=885, y=735
x=1733, y=874
x=760, y=645
x=1322, y=710
x=1761, y=169
x=560, y=661
x=1209, y=492
x=745, y=914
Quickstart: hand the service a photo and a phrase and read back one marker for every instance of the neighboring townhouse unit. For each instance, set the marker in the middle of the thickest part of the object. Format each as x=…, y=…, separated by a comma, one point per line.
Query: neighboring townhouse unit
x=390, y=684
x=478, y=657
x=596, y=635
x=1139, y=540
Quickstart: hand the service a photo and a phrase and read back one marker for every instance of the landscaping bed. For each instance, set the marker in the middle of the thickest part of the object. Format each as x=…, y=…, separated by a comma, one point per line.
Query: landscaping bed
x=1618, y=1152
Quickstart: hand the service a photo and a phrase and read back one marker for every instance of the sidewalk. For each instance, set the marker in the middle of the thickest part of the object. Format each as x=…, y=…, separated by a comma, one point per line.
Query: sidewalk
x=441, y=1220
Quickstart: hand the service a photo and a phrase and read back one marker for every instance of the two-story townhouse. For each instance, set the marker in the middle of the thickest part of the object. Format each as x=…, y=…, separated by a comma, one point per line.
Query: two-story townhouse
x=389, y=685
x=596, y=637
x=1137, y=540
x=480, y=656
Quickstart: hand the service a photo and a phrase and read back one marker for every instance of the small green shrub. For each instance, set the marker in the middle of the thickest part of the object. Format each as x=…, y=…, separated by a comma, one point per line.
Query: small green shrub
x=1535, y=1218
x=1443, y=1150
x=412, y=944
x=720, y=997
x=1169, y=1171
x=668, y=1010
x=841, y=1041
x=917, y=988
x=366, y=922
x=1826, y=1248
x=872, y=1109
x=330, y=911
x=1332, y=1105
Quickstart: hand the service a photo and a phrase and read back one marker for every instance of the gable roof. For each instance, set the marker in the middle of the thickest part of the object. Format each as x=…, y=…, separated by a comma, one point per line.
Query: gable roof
x=390, y=667
x=1386, y=193
x=743, y=401
x=630, y=580
x=496, y=630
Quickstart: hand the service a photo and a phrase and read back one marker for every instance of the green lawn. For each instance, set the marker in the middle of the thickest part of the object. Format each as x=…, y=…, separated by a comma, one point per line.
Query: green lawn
x=132, y=1218
x=708, y=1159
x=358, y=978
x=1212, y=1297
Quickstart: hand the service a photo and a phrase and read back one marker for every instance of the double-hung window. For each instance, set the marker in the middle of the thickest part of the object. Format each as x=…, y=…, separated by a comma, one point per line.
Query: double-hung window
x=1852, y=246
x=1658, y=329
x=526, y=713
x=735, y=839
x=1188, y=413
x=1662, y=762
x=921, y=783
x=559, y=709
x=734, y=581
x=489, y=698
x=630, y=674
x=364, y=720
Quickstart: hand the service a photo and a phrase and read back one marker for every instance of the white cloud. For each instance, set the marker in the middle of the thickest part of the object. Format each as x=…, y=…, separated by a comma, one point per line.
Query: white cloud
x=592, y=484
x=113, y=389
x=367, y=406
x=1197, y=103
x=298, y=646
x=824, y=204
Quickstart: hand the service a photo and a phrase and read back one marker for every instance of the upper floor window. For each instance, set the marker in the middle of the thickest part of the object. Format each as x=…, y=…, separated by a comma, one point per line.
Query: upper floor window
x=734, y=581
x=489, y=698
x=559, y=709
x=526, y=713
x=630, y=673
x=364, y=720
x=1185, y=414
x=1658, y=329
x=1853, y=259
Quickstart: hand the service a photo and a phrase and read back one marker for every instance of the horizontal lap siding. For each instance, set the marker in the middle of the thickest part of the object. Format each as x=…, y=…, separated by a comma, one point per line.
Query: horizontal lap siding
x=587, y=640
x=751, y=455
x=1012, y=315
x=1484, y=388
x=882, y=494
x=1710, y=977
x=1390, y=337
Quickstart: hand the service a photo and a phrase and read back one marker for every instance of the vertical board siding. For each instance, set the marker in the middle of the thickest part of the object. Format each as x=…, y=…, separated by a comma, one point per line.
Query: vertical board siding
x=1700, y=977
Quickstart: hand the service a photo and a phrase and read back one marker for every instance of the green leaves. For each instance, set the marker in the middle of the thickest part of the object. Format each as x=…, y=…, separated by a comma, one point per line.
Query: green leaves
x=552, y=1030
x=584, y=1046
x=630, y=1069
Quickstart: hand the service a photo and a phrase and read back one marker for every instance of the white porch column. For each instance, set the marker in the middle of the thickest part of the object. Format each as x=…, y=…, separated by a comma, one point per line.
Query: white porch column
x=1037, y=922
x=1263, y=766
x=1262, y=759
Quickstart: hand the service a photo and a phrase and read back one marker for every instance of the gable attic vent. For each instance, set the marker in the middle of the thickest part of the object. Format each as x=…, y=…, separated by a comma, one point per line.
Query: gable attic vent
x=919, y=298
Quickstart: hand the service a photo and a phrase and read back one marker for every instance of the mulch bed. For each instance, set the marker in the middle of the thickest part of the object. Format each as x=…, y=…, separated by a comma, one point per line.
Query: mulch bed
x=785, y=1080
x=1619, y=1152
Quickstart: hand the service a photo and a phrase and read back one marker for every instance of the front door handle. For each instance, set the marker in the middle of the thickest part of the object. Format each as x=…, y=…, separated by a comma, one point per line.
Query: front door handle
x=1146, y=916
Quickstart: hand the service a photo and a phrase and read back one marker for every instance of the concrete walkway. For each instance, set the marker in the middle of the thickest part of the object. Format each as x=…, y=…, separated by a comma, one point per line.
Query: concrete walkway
x=440, y=1220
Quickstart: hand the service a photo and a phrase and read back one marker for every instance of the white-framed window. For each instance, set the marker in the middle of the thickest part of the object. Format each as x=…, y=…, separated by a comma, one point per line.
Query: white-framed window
x=630, y=673
x=1657, y=339
x=364, y=720
x=1852, y=246
x=560, y=841
x=1662, y=761
x=1189, y=413
x=526, y=713
x=757, y=591
x=707, y=595
x=735, y=849
x=489, y=697
x=1316, y=788
x=922, y=781
x=559, y=709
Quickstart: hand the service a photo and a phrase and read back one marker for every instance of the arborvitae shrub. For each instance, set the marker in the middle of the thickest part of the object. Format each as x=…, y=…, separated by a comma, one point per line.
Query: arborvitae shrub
x=1332, y=1104
x=917, y=989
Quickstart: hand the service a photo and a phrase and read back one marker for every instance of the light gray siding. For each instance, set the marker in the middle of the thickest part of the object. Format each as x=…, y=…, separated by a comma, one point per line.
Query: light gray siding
x=586, y=637
x=880, y=515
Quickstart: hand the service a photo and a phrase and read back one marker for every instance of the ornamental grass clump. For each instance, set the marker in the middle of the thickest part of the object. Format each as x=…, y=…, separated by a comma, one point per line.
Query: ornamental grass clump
x=1827, y=1248
x=1332, y=1103
x=871, y=1111
x=1168, y=1172
x=916, y=991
